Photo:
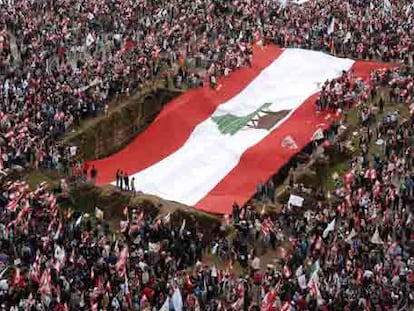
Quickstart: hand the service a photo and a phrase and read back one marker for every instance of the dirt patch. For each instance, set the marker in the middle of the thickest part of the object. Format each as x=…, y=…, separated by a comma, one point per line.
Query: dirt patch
x=112, y=201
x=106, y=135
x=267, y=257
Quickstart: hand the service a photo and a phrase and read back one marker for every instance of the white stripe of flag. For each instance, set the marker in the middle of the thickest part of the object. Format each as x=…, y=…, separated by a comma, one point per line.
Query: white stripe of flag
x=208, y=155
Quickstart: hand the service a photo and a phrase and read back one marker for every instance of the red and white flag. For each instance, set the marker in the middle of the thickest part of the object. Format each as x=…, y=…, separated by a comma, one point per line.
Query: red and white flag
x=266, y=226
x=34, y=272
x=285, y=306
x=287, y=273
x=222, y=143
x=313, y=285
x=268, y=300
x=121, y=262
x=45, y=287
x=18, y=279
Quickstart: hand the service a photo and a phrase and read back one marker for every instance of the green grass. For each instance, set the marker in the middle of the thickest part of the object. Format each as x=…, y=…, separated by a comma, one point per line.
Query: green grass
x=342, y=166
x=36, y=177
x=339, y=168
x=352, y=117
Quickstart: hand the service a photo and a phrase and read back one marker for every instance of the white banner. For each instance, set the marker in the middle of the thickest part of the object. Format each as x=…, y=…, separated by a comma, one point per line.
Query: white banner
x=295, y=200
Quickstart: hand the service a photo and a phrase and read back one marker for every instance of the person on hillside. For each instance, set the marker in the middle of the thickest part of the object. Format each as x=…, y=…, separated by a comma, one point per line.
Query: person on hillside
x=94, y=174
x=213, y=81
x=121, y=180
x=133, y=185
x=85, y=170
x=381, y=104
x=118, y=178
x=126, y=181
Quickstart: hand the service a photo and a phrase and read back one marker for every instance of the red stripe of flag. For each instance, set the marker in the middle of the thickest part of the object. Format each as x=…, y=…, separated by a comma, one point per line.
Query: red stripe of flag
x=264, y=159
x=170, y=130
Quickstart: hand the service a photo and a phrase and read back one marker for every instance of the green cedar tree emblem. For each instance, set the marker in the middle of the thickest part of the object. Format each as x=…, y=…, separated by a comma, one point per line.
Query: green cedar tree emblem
x=258, y=119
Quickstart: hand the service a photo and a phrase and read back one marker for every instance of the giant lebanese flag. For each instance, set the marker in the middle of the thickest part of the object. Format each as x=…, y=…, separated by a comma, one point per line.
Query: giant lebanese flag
x=210, y=148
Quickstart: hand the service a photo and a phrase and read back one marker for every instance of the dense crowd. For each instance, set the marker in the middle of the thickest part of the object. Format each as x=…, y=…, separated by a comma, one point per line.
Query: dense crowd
x=67, y=260
x=63, y=61
x=356, y=252
x=352, y=250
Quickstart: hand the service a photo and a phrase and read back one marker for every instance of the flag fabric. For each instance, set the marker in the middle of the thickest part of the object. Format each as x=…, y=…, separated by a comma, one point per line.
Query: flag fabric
x=18, y=279
x=166, y=305
x=315, y=269
x=90, y=39
x=314, y=287
x=299, y=271
x=299, y=1
x=387, y=6
x=99, y=214
x=330, y=227
x=376, y=239
x=286, y=271
x=222, y=143
x=348, y=37
x=3, y=272
x=331, y=26
x=238, y=304
x=286, y=306
x=318, y=135
x=127, y=292
x=78, y=221
x=351, y=235
x=167, y=218
x=45, y=288
x=268, y=300
x=282, y=3
x=302, y=281
x=182, y=227
x=177, y=300
x=266, y=226
x=120, y=265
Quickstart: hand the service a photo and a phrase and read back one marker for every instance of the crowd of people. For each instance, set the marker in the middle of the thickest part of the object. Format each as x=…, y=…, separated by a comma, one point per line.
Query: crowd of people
x=68, y=260
x=353, y=249
x=353, y=253
x=63, y=61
